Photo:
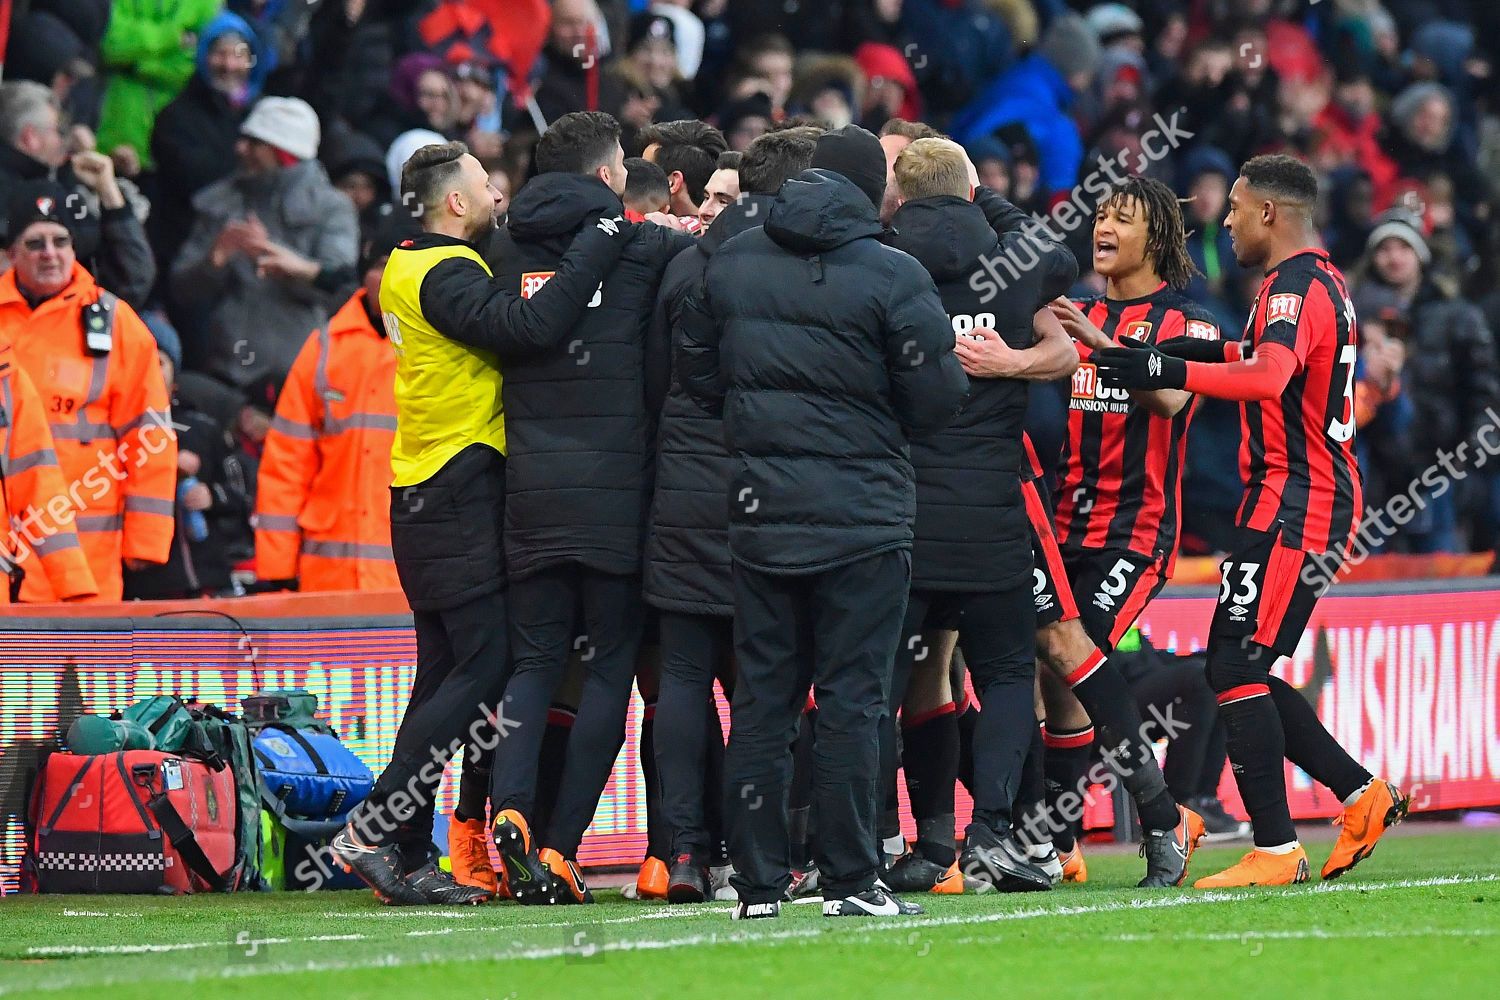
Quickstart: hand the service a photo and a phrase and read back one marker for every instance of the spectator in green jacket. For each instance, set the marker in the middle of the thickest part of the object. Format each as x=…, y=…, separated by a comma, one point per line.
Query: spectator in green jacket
x=148, y=56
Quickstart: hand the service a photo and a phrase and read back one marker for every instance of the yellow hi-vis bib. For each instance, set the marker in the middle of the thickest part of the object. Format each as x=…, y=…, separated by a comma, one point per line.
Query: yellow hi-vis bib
x=447, y=393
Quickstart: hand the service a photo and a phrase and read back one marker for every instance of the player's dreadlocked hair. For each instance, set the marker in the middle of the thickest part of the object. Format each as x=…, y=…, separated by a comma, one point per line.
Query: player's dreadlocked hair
x=1166, y=234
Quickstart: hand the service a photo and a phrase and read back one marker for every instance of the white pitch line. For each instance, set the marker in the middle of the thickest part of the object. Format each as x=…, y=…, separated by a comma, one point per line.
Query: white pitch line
x=739, y=935
x=1313, y=934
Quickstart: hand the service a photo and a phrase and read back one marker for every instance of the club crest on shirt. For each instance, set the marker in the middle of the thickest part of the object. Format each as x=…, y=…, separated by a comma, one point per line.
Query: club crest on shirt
x=1138, y=330
x=1283, y=308
x=532, y=282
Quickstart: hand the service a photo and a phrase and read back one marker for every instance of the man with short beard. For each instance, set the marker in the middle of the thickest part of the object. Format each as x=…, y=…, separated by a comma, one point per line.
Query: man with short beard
x=446, y=319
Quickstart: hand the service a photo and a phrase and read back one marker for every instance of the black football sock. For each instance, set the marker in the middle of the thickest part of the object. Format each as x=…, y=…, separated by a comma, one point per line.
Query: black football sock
x=1102, y=691
x=930, y=757
x=658, y=834
x=474, y=782
x=1067, y=761
x=1311, y=746
x=1257, y=750
x=968, y=719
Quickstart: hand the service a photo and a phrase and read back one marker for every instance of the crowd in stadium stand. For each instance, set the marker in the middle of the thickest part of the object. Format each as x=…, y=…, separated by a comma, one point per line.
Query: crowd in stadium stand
x=225, y=171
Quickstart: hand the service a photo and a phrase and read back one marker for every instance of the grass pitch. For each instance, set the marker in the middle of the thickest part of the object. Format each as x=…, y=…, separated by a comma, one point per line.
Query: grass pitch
x=1421, y=918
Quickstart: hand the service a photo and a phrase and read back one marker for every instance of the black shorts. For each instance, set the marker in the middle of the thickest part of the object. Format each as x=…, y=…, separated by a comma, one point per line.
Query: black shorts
x=1050, y=591
x=1267, y=591
x=1112, y=588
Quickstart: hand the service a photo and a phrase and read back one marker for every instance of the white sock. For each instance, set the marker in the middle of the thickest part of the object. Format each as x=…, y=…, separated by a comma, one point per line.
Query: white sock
x=1354, y=796
x=1286, y=848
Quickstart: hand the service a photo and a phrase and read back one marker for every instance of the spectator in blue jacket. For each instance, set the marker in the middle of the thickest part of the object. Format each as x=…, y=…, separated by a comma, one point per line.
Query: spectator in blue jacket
x=1038, y=93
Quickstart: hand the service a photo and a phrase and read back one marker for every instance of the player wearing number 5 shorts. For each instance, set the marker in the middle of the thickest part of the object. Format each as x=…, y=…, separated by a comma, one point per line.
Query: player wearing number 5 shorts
x=1117, y=517
x=1294, y=376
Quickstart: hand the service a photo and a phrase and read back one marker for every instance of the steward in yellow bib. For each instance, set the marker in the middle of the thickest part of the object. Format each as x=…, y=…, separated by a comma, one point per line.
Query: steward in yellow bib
x=446, y=319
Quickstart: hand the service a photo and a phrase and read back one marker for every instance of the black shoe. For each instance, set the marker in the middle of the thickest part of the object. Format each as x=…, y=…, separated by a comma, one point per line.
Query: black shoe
x=755, y=911
x=379, y=867
x=437, y=886
x=1220, y=826
x=914, y=873
x=1167, y=852
x=1000, y=860
x=530, y=881
x=873, y=902
x=687, y=881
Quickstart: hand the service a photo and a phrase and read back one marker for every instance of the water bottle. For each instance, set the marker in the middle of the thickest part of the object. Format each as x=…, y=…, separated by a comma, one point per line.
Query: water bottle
x=193, y=521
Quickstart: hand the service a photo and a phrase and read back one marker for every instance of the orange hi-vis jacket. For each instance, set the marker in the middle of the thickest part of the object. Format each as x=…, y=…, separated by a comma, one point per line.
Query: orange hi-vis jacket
x=35, y=509
x=111, y=427
x=323, y=501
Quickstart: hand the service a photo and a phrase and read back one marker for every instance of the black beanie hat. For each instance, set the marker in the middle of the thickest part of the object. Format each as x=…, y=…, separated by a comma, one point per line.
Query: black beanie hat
x=856, y=154
x=41, y=201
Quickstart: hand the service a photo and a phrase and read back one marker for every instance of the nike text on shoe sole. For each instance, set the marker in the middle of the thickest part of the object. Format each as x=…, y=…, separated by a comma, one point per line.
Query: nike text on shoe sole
x=756, y=911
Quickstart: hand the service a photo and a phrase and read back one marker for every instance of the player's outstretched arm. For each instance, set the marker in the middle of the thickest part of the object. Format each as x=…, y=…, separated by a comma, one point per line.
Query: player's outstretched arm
x=1264, y=376
x=464, y=303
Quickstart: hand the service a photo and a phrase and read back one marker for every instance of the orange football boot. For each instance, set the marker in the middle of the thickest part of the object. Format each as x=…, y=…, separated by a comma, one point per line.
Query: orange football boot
x=1260, y=868
x=469, y=854
x=1074, y=869
x=1381, y=807
x=652, y=880
x=567, y=876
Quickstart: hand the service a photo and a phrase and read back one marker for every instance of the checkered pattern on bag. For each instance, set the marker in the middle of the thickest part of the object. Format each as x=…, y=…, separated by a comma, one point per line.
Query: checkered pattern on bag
x=73, y=861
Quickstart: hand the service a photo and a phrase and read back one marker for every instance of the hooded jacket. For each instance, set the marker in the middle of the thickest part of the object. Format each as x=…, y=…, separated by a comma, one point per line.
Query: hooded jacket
x=578, y=425
x=687, y=544
x=148, y=65
x=825, y=351
x=972, y=533
x=194, y=136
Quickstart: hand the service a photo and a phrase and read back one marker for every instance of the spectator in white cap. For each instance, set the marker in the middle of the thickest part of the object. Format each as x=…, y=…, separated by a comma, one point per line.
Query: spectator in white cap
x=268, y=248
x=1116, y=24
x=1451, y=369
x=401, y=149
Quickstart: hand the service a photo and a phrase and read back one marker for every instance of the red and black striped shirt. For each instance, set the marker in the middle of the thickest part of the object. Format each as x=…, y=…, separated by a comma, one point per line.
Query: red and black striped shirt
x=1297, y=451
x=1121, y=484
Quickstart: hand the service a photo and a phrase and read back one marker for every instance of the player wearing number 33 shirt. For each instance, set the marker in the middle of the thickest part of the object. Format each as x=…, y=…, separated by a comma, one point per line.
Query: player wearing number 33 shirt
x=1294, y=376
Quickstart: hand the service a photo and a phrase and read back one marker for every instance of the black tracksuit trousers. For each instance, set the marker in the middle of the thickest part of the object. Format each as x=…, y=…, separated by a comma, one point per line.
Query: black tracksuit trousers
x=543, y=606
x=694, y=650
x=835, y=630
x=445, y=533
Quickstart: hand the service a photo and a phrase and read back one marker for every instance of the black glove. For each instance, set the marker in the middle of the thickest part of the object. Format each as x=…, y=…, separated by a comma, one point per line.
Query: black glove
x=1193, y=349
x=1140, y=366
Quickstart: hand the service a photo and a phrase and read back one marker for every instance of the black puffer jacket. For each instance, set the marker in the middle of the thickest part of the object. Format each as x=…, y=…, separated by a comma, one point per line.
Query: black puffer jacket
x=972, y=533
x=687, y=547
x=578, y=424
x=824, y=351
